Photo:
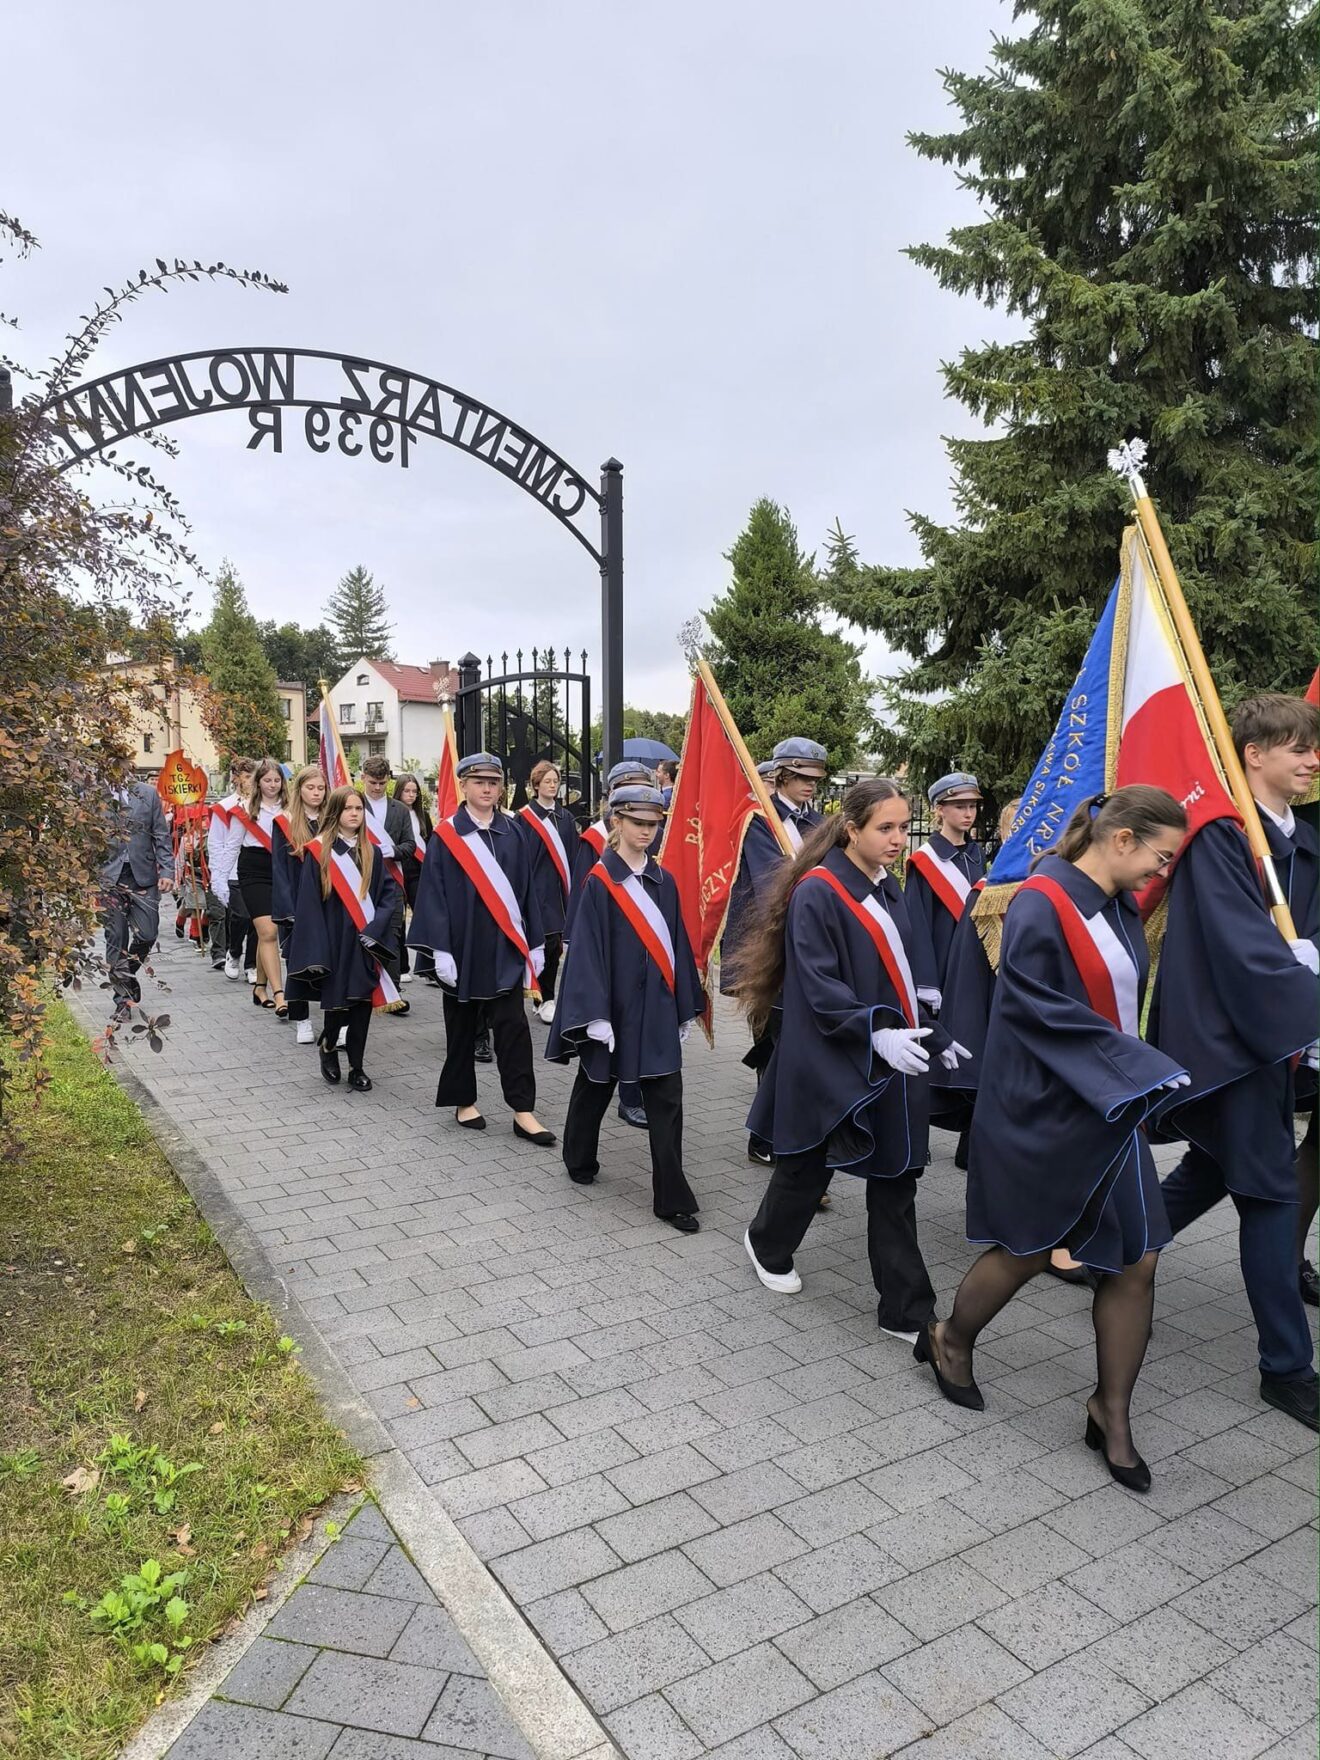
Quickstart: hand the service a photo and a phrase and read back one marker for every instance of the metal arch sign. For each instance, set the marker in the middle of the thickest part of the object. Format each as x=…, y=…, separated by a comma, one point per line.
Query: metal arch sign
x=353, y=406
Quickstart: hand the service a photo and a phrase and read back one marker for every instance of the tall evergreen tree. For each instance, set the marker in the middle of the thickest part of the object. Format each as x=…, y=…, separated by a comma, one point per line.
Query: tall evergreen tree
x=781, y=672
x=240, y=706
x=1147, y=173
x=359, y=618
x=301, y=656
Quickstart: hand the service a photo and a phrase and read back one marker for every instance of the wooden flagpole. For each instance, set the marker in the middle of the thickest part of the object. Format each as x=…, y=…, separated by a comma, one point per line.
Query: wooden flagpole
x=1128, y=460
x=756, y=781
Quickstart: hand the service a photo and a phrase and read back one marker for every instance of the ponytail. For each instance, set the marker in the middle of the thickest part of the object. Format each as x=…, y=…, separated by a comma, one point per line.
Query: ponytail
x=1140, y=809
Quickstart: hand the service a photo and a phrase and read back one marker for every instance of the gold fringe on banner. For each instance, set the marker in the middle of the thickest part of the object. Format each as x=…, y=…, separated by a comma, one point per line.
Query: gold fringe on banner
x=988, y=915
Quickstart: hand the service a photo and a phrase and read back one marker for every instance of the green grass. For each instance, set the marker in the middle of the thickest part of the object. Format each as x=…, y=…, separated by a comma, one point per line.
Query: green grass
x=120, y=1316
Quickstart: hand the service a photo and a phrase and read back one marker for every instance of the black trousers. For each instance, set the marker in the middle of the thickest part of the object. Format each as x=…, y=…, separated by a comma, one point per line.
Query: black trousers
x=663, y=1096
x=758, y=1058
x=507, y=1020
x=554, y=952
x=422, y=957
x=907, y=1297
x=240, y=938
x=357, y=1018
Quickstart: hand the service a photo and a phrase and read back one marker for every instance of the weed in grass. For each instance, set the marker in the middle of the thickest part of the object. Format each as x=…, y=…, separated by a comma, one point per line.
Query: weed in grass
x=22, y=1464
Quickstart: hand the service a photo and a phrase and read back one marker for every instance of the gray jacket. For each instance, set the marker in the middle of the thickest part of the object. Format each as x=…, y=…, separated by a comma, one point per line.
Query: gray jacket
x=141, y=838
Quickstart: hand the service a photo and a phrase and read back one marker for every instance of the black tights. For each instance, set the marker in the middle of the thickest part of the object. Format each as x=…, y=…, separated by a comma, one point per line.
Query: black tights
x=1120, y=1312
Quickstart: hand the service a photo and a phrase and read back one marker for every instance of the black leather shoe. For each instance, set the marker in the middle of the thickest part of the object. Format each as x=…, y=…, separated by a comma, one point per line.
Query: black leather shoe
x=1297, y=1399
x=684, y=1222
x=1308, y=1283
x=542, y=1139
x=633, y=1115
x=329, y=1061
x=359, y=1081
x=760, y=1152
x=581, y=1178
x=482, y=1052
x=1134, y=1478
x=956, y=1392
x=476, y=1123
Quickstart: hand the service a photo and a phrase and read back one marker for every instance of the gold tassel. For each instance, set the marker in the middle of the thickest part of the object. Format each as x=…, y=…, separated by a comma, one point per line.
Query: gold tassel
x=988, y=915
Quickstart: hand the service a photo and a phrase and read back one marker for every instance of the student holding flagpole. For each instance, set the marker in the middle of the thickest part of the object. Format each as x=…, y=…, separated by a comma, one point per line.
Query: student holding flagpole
x=553, y=842
x=1058, y=1155
x=477, y=913
x=847, y=1084
x=341, y=941
x=630, y=994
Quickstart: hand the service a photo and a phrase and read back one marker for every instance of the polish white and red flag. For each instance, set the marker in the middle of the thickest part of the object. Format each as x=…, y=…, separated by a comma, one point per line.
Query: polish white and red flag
x=330, y=750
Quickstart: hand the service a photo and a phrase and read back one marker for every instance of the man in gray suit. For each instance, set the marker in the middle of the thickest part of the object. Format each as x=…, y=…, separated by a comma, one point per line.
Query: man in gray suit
x=139, y=866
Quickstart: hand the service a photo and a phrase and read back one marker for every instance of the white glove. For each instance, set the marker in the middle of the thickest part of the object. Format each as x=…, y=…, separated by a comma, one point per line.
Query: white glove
x=932, y=998
x=602, y=1032
x=1180, y=1081
x=1305, y=954
x=445, y=969
x=954, y=1054
x=901, y=1048
x=685, y=1028
x=538, y=960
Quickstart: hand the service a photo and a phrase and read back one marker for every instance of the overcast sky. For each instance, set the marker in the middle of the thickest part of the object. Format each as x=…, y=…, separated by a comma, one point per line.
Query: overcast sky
x=668, y=232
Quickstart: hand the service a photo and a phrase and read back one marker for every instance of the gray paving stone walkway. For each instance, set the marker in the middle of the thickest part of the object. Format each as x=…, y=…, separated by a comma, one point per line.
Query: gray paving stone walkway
x=746, y=1525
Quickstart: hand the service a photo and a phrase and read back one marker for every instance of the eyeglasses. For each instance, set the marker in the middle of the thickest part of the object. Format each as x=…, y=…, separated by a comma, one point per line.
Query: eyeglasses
x=1165, y=861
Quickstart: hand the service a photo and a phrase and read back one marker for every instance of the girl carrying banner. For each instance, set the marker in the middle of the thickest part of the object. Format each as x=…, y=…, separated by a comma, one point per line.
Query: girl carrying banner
x=630, y=994
x=477, y=913
x=552, y=838
x=292, y=832
x=341, y=932
x=1058, y=1153
x=847, y=1083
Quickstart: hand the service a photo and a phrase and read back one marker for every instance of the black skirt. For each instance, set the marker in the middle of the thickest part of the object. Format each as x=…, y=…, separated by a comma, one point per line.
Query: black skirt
x=254, y=881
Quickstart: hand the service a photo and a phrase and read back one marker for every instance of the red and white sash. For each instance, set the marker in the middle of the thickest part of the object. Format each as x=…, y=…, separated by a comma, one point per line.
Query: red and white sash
x=253, y=826
x=1104, y=965
x=883, y=930
x=548, y=832
x=597, y=836
x=346, y=878
x=643, y=916
x=392, y=867
x=221, y=812
x=492, y=887
x=945, y=879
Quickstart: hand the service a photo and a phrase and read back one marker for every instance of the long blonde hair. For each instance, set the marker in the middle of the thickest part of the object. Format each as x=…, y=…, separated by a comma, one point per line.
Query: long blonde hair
x=254, y=801
x=362, y=852
x=301, y=832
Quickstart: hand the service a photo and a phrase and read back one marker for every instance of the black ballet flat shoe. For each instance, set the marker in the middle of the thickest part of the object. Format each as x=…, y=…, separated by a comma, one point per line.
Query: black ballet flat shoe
x=581, y=1179
x=1069, y=1274
x=329, y=1060
x=1134, y=1478
x=471, y=1124
x=969, y=1396
x=542, y=1139
x=683, y=1221
x=483, y=1052
x=359, y=1081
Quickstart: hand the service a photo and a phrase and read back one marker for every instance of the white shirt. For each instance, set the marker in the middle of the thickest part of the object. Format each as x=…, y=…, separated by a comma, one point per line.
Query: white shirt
x=1287, y=823
x=376, y=814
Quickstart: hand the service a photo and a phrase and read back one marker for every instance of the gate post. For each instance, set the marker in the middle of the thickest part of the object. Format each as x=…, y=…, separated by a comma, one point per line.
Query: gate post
x=611, y=611
x=468, y=730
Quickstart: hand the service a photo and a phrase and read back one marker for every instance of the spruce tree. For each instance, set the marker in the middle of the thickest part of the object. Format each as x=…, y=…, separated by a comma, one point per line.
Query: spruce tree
x=359, y=618
x=241, y=706
x=780, y=671
x=1146, y=172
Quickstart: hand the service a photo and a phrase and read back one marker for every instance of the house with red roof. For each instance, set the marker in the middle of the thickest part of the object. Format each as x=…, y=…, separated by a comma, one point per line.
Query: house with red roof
x=394, y=711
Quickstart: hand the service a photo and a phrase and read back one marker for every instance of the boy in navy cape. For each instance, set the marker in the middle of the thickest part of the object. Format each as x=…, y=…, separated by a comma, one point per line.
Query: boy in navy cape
x=1237, y=1004
x=553, y=841
x=1057, y=1154
x=330, y=949
x=629, y=996
x=476, y=911
x=847, y=1085
x=792, y=775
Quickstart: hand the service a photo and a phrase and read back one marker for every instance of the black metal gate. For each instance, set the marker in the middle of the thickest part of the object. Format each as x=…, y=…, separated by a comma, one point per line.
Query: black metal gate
x=525, y=715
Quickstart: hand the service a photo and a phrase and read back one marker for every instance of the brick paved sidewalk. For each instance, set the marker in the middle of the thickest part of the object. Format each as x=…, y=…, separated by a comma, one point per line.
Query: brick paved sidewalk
x=746, y=1525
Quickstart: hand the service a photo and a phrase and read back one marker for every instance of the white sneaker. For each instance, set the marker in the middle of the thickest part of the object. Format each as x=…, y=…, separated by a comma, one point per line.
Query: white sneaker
x=251, y=974
x=907, y=1337
x=547, y=1011
x=232, y=967
x=785, y=1283
x=306, y=1034
x=405, y=977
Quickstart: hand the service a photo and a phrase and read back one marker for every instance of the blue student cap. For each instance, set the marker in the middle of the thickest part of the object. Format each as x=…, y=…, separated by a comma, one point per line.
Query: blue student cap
x=767, y=769
x=960, y=784
x=802, y=755
x=631, y=770
x=480, y=763
x=636, y=794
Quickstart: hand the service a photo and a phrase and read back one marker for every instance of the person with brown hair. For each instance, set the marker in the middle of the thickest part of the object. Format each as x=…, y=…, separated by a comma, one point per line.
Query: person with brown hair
x=247, y=859
x=1058, y=1155
x=293, y=831
x=231, y=925
x=846, y=1086
x=552, y=840
x=411, y=852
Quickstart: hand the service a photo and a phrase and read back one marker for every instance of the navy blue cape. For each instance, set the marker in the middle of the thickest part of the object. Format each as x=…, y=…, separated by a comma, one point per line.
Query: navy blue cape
x=824, y=1082
x=609, y=976
x=1057, y=1153
x=546, y=883
x=761, y=859
x=1233, y=1006
x=326, y=947
x=924, y=907
x=450, y=917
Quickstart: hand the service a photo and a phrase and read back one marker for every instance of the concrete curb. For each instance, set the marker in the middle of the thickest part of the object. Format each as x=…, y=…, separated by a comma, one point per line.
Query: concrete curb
x=556, y=1721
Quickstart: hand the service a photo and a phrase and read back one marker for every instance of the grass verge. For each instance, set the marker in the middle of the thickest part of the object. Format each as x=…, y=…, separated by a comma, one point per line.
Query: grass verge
x=150, y=1415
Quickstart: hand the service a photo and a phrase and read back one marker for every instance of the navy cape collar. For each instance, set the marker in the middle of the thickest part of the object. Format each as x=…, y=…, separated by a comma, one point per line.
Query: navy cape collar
x=465, y=824
x=619, y=871
x=856, y=883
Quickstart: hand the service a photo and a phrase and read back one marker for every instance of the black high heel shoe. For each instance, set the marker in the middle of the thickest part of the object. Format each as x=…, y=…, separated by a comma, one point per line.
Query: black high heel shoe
x=957, y=1394
x=1135, y=1478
